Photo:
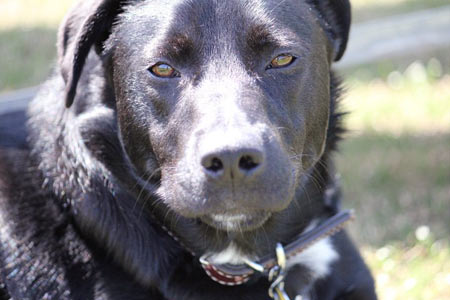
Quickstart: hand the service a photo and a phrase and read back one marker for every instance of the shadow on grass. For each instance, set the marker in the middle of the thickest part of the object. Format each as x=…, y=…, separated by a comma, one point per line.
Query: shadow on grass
x=27, y=56
x=396, y=184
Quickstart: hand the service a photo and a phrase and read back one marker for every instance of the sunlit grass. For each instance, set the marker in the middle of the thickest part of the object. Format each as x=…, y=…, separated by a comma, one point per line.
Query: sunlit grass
x=397, y=184
x=395, y=173
x=419, y=272
x=399, y=139
x=31, y=13
x=417, y=100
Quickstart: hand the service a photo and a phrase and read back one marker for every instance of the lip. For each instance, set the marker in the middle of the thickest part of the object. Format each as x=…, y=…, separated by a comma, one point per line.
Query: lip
x=236, y=221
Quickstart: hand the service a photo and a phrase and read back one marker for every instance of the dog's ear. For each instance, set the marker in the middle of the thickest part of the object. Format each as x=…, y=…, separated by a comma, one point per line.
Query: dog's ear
x=337, y=17
x=87, y=24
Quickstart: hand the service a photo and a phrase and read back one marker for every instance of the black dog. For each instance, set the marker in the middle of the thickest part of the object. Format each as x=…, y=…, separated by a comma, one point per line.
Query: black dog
x=175, y=132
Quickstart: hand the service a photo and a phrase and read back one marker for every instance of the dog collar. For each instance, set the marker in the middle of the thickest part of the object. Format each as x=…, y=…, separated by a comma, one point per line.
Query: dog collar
x=232, y=275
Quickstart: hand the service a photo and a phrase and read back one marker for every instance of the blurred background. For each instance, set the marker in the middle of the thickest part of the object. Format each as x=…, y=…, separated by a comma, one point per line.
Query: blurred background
x=395, y=160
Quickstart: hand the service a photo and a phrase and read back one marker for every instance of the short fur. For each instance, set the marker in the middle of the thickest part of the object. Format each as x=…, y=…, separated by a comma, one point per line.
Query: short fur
x=112, y=155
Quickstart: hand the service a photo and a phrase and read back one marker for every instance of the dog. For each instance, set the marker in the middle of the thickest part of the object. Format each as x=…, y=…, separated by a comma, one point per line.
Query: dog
x=174, y=140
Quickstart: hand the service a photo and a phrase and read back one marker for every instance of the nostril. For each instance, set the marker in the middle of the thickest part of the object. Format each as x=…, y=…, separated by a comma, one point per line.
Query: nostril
x=214, y=165
x=247, y=163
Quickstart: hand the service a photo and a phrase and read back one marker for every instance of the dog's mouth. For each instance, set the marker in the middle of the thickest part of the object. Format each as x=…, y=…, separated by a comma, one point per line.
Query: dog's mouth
x=236, y=221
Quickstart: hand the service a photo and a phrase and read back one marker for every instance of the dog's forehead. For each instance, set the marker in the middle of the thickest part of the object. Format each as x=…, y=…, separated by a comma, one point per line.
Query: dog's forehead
x=215, y=21
x=212, y=9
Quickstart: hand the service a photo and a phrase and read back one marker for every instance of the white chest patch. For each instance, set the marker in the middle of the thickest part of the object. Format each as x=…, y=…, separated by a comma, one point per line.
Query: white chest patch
x=317, y=258
x=231, y=255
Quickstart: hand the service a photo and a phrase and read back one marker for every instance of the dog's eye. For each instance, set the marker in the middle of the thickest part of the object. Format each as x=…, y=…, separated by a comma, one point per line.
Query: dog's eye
x=281, y=61
x=163, y=70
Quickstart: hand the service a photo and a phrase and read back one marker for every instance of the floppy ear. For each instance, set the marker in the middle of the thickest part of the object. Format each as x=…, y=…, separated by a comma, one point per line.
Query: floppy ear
x=88, y=23
x=337, y=16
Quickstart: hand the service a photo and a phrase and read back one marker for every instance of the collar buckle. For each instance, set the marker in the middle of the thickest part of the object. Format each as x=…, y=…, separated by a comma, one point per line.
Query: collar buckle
x=277, y=276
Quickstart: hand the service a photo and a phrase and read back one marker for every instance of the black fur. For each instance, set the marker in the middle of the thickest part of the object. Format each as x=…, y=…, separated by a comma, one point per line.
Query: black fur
x=87, y=186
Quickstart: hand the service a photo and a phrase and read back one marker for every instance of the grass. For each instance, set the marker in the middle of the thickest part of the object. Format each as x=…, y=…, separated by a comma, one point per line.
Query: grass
x=32, y=13
x=27, y=56
x=394, y=163
x=417, y=100
x=395, y=172
x=419, y=272
x=27, y=40
x=401, y=180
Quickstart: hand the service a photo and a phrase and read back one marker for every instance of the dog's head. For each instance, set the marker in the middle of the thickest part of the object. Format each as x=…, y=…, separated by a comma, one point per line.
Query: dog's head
x=223, y=104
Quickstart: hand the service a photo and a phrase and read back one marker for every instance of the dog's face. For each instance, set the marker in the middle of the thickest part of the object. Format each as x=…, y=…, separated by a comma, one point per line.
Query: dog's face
x=228, y=99
x=223, y=105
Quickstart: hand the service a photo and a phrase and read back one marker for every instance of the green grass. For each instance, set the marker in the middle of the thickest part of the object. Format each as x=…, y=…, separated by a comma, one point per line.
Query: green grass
x=417, y=100
x=32, y=13
x=27, y=40
x=26, y=58
x=419, y=272
x=395, y=172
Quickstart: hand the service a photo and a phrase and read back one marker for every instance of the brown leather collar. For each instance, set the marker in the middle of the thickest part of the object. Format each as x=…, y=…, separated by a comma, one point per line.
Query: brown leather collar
x=231, y=275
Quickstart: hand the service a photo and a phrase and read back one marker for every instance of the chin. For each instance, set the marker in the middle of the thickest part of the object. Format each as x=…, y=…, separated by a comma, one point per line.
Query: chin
x=237, y=222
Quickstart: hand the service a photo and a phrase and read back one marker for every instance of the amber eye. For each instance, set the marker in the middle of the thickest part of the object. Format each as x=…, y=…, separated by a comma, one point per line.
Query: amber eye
x=281, y=61
x=163, y=70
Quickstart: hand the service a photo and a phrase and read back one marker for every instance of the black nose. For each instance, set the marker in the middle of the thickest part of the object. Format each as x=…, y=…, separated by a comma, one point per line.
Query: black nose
x=233, y=163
